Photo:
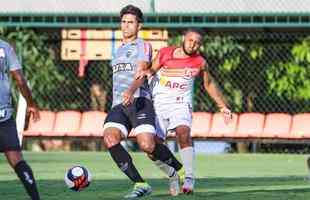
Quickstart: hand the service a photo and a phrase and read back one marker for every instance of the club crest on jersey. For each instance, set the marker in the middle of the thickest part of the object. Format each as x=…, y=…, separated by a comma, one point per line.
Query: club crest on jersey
x=131, y=52
x=2, y=53
x=122, y=67
x=190, y=73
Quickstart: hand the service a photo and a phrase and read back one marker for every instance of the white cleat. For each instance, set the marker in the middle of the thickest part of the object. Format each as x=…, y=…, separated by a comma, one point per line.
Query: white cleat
x=188, y=186
x=174, y=186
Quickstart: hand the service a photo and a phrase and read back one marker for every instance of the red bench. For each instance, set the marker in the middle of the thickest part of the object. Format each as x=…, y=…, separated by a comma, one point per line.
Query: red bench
x=206, y=126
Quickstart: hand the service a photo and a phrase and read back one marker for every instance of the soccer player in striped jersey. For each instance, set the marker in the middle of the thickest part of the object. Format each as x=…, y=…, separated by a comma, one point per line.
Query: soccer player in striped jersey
x=173, y=73
x=9, y=143
x=132, y=107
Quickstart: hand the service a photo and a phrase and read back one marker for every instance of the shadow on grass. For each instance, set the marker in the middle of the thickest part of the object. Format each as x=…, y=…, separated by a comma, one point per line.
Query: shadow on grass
x=256, y=188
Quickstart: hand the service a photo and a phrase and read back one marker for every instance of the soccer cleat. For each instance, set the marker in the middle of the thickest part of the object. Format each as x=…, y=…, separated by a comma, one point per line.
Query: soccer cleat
x=188, y=186
x=174, y=187
x=181, y=174
x=139, y=190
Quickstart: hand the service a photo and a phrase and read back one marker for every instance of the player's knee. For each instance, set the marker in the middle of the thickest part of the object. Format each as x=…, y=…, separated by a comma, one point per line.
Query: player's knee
x=13, y=157
x=111, y=138
x=184, y=138
x=147, y=146
x=158, y=140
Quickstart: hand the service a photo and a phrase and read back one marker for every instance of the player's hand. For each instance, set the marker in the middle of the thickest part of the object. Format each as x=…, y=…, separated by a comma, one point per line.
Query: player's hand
x=227, y=115
x=142, y=74
x=33, y=111
x=127, y=97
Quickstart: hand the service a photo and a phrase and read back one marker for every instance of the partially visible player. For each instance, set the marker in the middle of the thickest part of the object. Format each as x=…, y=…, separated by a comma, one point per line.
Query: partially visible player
x=9, y=143
x=174, y=70
x=132, y=107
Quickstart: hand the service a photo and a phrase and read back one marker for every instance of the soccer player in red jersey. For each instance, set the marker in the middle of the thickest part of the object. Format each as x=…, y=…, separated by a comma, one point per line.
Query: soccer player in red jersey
x=172, y=78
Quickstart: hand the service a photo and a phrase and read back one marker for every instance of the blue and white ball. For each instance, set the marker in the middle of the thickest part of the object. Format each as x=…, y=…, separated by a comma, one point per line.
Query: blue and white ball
x=77, y=178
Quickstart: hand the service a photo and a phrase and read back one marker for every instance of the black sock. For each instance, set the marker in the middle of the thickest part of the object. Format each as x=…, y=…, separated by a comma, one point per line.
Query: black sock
x=163, y=153
x=25, y=174
x=124, y=162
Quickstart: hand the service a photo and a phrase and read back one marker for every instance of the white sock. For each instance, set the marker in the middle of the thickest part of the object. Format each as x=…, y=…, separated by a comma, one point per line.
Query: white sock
x=187, y=156
x=169, y=171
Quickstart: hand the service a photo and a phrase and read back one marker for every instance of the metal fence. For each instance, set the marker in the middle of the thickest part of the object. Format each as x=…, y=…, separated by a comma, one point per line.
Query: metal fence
x=258, y=71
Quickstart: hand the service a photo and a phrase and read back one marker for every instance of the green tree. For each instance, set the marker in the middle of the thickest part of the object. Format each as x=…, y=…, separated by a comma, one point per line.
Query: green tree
x=258, y=71
x=37, y=60
x=291, y=79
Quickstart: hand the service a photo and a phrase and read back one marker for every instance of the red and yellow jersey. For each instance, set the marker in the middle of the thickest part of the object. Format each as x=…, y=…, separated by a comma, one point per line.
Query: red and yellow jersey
x=174, y=81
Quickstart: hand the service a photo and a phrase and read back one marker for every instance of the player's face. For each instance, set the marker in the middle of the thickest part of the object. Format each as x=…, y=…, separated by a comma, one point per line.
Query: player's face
x=129, y=26
x=191, y=43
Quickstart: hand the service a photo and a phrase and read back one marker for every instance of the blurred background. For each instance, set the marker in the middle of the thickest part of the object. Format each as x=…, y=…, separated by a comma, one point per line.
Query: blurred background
x=258, y=52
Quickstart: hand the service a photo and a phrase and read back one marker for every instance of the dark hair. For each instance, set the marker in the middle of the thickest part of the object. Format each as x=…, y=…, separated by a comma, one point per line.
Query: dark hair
x=130, y=9
x=195, y=30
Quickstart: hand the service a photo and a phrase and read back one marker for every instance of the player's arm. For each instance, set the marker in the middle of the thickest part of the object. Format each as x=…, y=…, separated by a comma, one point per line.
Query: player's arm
x=152, y=69
x=141, y=66
x=128, y=94
x=216, y=94
x=143, y=62
x=21, y=83
x=156, y=65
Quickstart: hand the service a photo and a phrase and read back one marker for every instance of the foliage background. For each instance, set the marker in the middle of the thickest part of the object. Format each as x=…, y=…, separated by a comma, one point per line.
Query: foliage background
x=259, y=71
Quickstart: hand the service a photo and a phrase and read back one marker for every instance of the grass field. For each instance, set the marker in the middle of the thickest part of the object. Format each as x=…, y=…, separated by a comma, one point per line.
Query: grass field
x=220, y=177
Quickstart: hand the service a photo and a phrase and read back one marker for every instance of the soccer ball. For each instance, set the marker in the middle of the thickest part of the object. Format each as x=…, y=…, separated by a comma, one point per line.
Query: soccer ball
x=77, y=178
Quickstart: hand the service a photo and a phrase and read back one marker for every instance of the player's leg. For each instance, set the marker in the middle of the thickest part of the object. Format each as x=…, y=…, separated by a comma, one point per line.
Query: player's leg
x=116, y=128
x=24, y=173
x=144, y=127
x=112, y=139
x=187, y=156
x=166, y=169
x=181, y=122
x=9, y=144
x=161, y=130
x=163, y=158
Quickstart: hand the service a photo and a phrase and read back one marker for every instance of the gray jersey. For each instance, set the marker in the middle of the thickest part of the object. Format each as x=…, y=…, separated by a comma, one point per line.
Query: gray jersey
x=124, y=64
x=8, y=62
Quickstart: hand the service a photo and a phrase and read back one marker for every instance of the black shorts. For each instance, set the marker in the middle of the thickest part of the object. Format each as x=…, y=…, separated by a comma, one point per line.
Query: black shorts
x=8, y=136
x=140, y=115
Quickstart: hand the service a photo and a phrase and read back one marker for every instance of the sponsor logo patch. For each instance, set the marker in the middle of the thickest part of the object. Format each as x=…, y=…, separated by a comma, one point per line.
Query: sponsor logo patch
x=122, y=67
x=173, y=85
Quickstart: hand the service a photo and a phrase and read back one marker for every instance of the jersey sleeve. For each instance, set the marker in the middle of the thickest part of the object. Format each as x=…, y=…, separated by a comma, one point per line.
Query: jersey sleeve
x=12, y=60
x=164, y=55
x=144, y=52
